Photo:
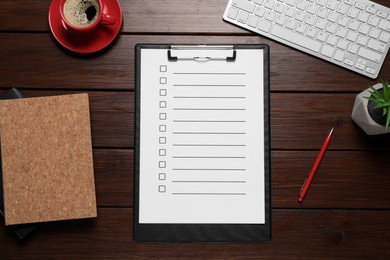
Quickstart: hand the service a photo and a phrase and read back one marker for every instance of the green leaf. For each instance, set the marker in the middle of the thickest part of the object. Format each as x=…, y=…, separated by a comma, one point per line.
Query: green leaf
x=375, y=93
x=388, y=121
x=386, y=90
x=382, y=105
x=385, y=111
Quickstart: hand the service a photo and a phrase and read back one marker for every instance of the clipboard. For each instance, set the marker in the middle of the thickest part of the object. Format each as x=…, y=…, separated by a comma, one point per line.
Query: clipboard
x=202, y=143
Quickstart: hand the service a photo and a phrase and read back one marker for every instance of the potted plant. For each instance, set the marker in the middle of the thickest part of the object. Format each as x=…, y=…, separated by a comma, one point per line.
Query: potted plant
x=371, y=110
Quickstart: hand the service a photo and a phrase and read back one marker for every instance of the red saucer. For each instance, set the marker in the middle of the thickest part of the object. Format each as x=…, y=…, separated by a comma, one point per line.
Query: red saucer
x=88, y=43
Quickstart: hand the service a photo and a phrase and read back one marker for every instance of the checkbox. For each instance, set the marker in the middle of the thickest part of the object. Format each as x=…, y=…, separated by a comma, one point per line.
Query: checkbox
x=162, y=152
x=162, y=176
x=163, y=68
x=163, y=116
x=163, y=104
x=162, y=188
x=163, y=92
x=163, y=80
x=163, y=140
x=162, y=164
x=163, y=128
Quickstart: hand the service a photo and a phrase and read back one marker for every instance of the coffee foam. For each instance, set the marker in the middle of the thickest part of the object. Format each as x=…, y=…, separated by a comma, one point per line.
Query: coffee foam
x=75, y=12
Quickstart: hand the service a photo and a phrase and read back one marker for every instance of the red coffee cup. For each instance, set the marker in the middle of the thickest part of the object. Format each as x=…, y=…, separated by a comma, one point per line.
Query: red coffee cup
x=84, y=15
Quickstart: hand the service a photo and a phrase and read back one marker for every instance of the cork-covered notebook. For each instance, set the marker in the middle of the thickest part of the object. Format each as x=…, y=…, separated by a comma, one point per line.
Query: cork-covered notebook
x=47, y=162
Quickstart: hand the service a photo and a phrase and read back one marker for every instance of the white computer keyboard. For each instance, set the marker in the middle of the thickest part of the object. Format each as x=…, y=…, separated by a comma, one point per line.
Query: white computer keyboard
x=354, y=34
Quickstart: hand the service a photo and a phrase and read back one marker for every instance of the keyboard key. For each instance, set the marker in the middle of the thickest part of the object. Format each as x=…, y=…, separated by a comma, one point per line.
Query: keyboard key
x=370, y=55
x=253, y=20
x=310, y=19
x=301, y=5
x=374, y=33
x=370, y=9
x=327, y=51
x=349, y=2
x=360, y=66
x=351, y=36
x=352, y=12
x=381, y=14
x=363, y=17
x=353, y=48
x=331, y=4
x=280, y=19
x=233, y=12
x=260, y=11
x=311, y=9
x=289, y=11
x=385, y=37
x=301, y=28
x=243, y=17
x=362, y=40
x=360, y=6
x=264, y=26
x=279, y=7
x=342, y=8
x=376, y=45
x=339, y=55
x=269, y=15
x=348, y=62
x=371, y=70
x=291, y=24
x=332, y=16
x=343, y=44
x=384, y=25
x=269, y=4
x=332, y=40
x=311, y=32
x=321, y=36
x=373, y=20
x=244, y=5
x=298, y=39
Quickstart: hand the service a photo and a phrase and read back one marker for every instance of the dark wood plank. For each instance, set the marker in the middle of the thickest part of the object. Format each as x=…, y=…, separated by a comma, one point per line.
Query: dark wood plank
x=303, y=121
x=25, y=65
x=297, y=234
x=361, y=175
x=294, y=117
x=112, y=116
x=146, y=16
x=114, y=177
x=345, y=179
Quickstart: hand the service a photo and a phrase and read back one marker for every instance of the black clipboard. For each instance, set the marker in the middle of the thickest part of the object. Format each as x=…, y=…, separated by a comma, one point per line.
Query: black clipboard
x=201, y=232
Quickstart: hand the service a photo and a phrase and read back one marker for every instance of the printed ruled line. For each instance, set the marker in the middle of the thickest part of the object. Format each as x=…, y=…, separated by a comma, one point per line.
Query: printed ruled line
x=209, y=121
x=209, y=97
x=207, y=169
x=209, y=73
x=209, y=157
x=211, y=109
x=207, y=193
x=208, y=133
x=210, y=181
x=238, y=145
x=208, y=85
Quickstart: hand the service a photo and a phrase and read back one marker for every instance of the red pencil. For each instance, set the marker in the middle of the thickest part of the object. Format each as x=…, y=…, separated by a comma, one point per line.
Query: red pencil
x=310, y=177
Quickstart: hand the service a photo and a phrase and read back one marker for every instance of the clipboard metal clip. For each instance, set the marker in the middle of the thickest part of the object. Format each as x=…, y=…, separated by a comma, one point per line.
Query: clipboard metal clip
x=202, y=53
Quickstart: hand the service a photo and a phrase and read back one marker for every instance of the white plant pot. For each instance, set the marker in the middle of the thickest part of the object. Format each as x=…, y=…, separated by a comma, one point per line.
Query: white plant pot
x=361, y=116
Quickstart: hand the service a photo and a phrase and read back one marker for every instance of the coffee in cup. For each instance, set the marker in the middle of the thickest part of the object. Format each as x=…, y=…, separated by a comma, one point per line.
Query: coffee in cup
x=84, y=15
x=81, y=13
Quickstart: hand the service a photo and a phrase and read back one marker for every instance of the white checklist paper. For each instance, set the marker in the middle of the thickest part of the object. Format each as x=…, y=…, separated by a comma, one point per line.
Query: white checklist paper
x=201, y=153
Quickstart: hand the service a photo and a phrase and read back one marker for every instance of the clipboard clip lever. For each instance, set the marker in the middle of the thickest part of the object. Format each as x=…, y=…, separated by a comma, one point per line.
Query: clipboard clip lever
x=202, y=53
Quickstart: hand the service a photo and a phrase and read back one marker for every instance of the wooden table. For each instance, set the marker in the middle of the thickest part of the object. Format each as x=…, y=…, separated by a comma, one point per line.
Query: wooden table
x=347, y=211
